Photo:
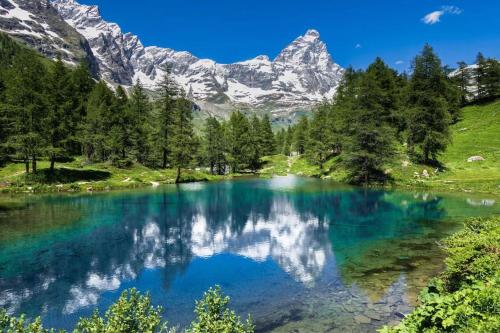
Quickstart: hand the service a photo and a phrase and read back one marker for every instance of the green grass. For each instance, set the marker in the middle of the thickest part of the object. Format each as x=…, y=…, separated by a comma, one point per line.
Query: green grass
x=477, y=134
x=76, y=176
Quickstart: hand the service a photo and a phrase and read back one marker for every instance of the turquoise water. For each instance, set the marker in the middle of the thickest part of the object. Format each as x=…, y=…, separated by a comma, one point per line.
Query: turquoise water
x=300, y=255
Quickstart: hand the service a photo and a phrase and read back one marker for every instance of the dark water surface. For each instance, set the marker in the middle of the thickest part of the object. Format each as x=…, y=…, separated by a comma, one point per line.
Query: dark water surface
x=300, y=255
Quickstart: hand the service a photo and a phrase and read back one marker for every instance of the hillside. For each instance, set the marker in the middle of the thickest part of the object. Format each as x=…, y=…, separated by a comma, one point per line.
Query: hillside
x=477, y=134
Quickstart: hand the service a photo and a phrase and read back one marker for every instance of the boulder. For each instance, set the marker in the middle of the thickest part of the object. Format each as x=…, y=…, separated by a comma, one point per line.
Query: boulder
x=425, y=173
x=475, y=159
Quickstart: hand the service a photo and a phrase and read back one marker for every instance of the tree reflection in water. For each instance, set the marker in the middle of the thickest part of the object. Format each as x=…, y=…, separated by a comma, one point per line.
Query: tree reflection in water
x=279, y=247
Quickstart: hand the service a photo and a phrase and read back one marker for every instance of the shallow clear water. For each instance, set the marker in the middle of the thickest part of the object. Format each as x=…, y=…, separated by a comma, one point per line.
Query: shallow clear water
x=300, y=255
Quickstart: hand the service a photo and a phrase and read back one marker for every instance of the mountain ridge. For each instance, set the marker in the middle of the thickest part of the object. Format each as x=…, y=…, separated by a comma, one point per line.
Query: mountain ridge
x=302, y=75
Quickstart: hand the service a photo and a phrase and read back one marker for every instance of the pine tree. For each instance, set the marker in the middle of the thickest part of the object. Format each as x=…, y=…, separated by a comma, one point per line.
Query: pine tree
x=370, y=144
x=319, y=143
x=214, y=146
x=279, y=140
x=480, y=76
x=256, y=146
x=60, y=113
x=98, y=123
x=491, y=79
x=118, y=138
x=182, y=143
x=429, y=117
x=138, y=112
x=288, y=141
x=239, y=142
x=168, y=91
x=25, y=95
x=267, y=136
x=82, y=84
x=301, y=135
x=463, y=79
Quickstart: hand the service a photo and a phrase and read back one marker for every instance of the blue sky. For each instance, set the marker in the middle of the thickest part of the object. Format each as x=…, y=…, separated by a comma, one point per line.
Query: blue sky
x=355, y=31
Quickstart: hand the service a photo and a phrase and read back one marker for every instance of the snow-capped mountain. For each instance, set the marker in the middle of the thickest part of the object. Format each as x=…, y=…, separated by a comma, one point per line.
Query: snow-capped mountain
x=303, y=74
x=39, y=25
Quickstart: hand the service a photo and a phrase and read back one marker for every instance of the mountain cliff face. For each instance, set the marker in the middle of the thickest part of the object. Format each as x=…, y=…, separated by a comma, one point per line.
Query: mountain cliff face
x=38, y=24
x=303, y=74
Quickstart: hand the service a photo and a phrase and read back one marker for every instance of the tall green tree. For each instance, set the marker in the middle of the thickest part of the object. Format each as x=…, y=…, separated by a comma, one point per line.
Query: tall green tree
x=319, y=143
x=183, y=143
x=168, y=91
x=59, y=119
x=257, y=144
x=25, y=94
x=139, y=112
x=214, y=146
x=370, y=144
x=118, y=138
x=98, y=123
x=267, y=136
x=429, y=117
x=301, y=135
x=480, y=76
x=463, y=79
x=239, y=142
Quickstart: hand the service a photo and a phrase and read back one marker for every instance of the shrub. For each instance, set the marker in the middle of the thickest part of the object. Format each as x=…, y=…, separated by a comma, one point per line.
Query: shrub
x=466, y=297
x=214, y=316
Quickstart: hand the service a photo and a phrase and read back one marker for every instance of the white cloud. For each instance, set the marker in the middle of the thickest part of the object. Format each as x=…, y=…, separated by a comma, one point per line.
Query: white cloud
x=400, y=62
x=435, y=16
x=358, y=46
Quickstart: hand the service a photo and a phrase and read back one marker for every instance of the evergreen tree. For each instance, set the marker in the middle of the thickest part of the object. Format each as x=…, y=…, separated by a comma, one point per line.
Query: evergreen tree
x=480, y=76
x=239, y=142
x=370, y=144
x=59, y=116
x=462, y=80
x=82, y=84
x=138, y=113
x=429, y=117
x=168, y=91
x=279, y=139
x=287, y=144
x=256, y=147
x=301, y=135
x=25, y=95
x=182, y=144
x=319, y=142
x=267, y=136
x=491, y=80
x=214, y=147
x=118, y=138
x=98, y=122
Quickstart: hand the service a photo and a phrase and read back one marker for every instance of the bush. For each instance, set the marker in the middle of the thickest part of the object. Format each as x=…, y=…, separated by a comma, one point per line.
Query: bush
x=466, y=297
x=133, y=313
x=214, y=316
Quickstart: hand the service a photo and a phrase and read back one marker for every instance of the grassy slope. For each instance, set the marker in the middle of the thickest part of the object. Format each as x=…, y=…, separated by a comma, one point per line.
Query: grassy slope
x=477, y=134
x=75, y=176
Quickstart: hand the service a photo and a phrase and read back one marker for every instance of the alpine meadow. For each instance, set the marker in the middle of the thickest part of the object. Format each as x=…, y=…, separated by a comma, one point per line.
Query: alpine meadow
x=144, y=189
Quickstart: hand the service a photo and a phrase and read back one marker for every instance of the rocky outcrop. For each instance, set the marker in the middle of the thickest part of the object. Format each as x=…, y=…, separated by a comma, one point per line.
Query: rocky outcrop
x=38, y=24
x=303, y=74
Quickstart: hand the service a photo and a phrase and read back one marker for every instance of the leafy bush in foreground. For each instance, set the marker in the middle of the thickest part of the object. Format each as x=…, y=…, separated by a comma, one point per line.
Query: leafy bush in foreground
x=133, y=313
x=214, y=316
x=466, y=297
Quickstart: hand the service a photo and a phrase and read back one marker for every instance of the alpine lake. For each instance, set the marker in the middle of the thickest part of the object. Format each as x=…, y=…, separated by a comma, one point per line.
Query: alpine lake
x=298, y=254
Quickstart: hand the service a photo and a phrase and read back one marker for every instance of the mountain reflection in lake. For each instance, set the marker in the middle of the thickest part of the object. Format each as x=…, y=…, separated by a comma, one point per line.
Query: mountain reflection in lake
x=299, y=254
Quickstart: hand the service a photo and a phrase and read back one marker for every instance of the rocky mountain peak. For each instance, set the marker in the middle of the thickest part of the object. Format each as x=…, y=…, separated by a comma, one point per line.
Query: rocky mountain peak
x=302, y=75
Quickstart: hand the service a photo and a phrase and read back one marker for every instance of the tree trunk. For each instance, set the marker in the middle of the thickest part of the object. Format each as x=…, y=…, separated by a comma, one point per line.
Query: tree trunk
x=178, y=178
x=27, y=165
x=33, y=164
x=52, y=164
x=164, y=163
